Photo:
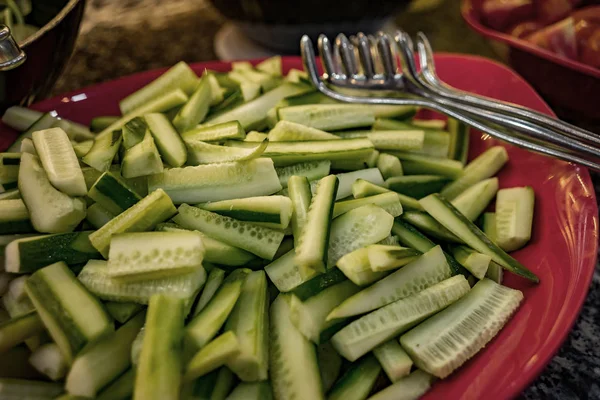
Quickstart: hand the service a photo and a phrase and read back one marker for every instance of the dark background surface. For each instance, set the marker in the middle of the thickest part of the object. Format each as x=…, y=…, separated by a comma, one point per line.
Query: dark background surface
x=121, y=37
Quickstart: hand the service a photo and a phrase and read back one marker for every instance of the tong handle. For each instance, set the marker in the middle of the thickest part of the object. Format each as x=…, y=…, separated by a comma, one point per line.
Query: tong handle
x=11, y=55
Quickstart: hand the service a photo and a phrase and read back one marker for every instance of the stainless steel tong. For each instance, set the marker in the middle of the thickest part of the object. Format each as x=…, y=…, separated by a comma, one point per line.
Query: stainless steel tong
x=369, y=64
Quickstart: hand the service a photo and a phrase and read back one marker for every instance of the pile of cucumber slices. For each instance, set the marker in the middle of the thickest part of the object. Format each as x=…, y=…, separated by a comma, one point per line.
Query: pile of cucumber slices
x=241, y=236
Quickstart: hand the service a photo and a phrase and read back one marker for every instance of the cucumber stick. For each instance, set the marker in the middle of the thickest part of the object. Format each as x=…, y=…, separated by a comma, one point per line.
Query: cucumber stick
x=104, y=360
x=158, y=374
x=459, y=140
x=311, y=252
x=169, y=143
x=16, y=330
x=447, y=340
x=362, y=188
x=142, y=159
x=122, y=311
x=113, y=194
x=390, y=140
x=48, y=360
x=28, y=389
x=475, y=199
x=357, y=228
x=180, y=76
x=330, y=364
x=119, y=389
x=386, y=257
x=355, y=265
x=426, y=223
x=410, y=387
x=514, y=217
x=253, y=238
x=389, y=165
x=389, y=201
x=427, y=270
x=249, y=320
x=213, y=283
x=489, y=225
x=212, y=356
x=454, y=221
x=215, y=133
x=196, y=108
x=313, y=170
x=475, y=262
x=208, y=153
x=98, y=124
x=292, y=358
x=285, y=274
x=50, y=210
x=416, y=164
x=14, y=217
x=486, y=165
x=104, y=150
x=144, y=215
x=377, y=327
x=416, y=186
x=204, y=326
x=357, y=382
x=395, y=361
x=20, y=118
x=94, y=276
x=46, y=121
x=29, y=254
x=270, y=211
x=328, y=117
x=59, y=161
x=252, y=391
x=71, y=314
x=154, y=255
x=215, y=182
x=134, y=132
x=301, y=197
x=310, y=316
x=285, y=131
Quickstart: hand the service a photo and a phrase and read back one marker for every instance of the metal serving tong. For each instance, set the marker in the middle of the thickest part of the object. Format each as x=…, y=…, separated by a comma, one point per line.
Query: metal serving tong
x=369, y=64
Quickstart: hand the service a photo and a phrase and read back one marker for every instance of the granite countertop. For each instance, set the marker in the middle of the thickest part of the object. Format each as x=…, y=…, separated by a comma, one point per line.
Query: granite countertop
x=121, y=37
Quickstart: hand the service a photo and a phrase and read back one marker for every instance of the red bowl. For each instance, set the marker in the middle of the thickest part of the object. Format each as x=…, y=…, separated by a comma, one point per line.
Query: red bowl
x=571, y=88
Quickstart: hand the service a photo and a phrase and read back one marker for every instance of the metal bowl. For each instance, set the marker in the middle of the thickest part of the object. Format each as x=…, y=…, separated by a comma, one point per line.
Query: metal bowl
x=47, y=52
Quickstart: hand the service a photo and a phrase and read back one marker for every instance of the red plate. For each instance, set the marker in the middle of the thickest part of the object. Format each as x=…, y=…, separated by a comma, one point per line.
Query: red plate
x=562, y=251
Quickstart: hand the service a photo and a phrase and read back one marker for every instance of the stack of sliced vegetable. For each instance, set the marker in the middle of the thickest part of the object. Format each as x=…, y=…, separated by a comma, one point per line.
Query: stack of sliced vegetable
x=238, y=235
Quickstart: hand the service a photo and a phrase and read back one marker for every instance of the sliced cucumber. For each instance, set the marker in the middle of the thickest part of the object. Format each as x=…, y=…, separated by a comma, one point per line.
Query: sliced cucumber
x=169, y=143
x=94, y=276
x=122, y=312
x=113, y=194
x=119, y=389
x=292, y=359
x=249, y=320
x=48, y=360
x=103, y=151
x=271, y=66
x=424, y=222
x=14, y=217
x=213, y=355
x=434, y=345
x=81, y=149
x=328, y=117
x=252, y=391
x=195, y=110
x=411, y=387
x=301, y=197
x=253, y=238
x=362, y=188
x=310, y=315
x=287, y=153
x=429, y=123
x=15, y=301
x=158, y=374
x=416, y=186
x=390, y=140
x=154, y=255
x=215, y=385
x=204, y=326
x=475, y=262
x=475, y=199
x=46, y=121
x=104, y=360
x=395, y=361
x=216, y=91
x=285, y=274
x=484, y=166
x=459, y=140
x=144, y=215
x=285, y=131
x=330, y=364
x=32, y=253
x=213, y=283
x=390, y=241
x=71, y=314
x=357, y=228
x=357, y=382
x=60, y=161
x=454, y=221
x=514, y=217
x=426, y=271
x=389, y=166
x=347, y=179
x=414, y=164
x=142, y=159
x=489, y=225
x=252, y=115
x=98, y=124
x=385, y=258
x=355, y=265
x=207, y=153
x=216, y=132
x=215, y=251
x=97, y=216
x=311, y=252
x=50, y=210
x=254, y=136
x=134, y=132
x=16, y=330
x=216, y=182
x=495, y=272
x=22, y=389
x=389, y=201
x=376, y=328
x=20, y=118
